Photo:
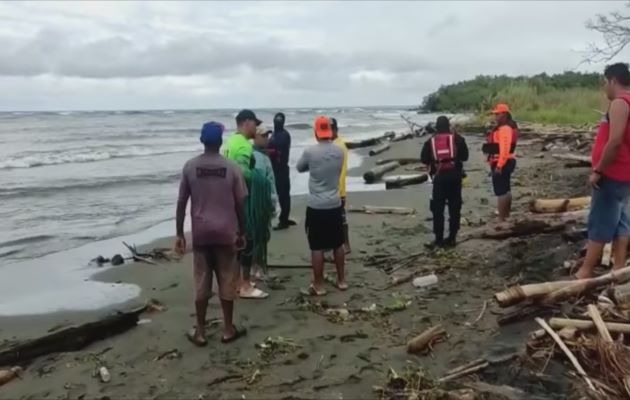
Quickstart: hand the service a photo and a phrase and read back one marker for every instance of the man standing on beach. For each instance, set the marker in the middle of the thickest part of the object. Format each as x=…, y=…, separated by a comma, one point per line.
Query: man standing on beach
x=324, y=219
x=445, y=153
x=279, y=149
x=239, y=149
x=608, y=218
x=342, y=182
x=217, y=191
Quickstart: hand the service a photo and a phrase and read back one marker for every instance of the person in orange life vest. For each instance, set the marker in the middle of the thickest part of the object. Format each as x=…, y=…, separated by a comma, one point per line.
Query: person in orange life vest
x=445, y=153
x=608, y=219
x=500, y=150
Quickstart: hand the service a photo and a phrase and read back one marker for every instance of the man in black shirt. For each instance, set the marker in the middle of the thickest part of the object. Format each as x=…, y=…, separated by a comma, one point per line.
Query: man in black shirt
x=445, y=153
x=279, y=148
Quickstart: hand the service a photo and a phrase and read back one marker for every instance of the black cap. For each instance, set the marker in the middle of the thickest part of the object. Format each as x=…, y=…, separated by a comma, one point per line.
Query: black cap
x=245, y=115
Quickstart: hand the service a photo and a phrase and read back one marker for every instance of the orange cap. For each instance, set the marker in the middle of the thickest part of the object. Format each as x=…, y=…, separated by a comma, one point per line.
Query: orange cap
x=501, y=108
x=323, y=130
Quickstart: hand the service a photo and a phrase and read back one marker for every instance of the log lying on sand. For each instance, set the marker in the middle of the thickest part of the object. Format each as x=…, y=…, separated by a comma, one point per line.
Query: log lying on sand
x=382, y=210
x=584, y=160
x=559, y=205
x=395, y=182
x=371, y=141
x=400, y=138
x=425, y=339
x=401, y=161
x=378, y=150
x=69, y=339
x=376, y=173
x=550, y=292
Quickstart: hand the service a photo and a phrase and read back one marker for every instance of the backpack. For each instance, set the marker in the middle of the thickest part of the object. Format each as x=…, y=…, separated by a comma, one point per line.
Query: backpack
x=444, y=151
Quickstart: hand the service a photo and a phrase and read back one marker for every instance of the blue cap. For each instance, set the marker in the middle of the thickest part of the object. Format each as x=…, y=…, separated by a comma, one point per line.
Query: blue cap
x=212, y=133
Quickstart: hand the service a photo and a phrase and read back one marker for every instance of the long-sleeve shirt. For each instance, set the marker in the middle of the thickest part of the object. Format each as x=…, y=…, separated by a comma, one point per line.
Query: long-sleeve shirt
x=503, y=136
x=461, y=156
x=238, y=149
x=280, y=148
x=263, y=164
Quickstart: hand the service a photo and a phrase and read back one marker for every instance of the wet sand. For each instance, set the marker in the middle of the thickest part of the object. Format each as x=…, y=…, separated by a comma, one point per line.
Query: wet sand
x=329, y=355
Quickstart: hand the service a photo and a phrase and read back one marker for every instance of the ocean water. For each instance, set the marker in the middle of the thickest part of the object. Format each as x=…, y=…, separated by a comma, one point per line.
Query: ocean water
x=69, y=180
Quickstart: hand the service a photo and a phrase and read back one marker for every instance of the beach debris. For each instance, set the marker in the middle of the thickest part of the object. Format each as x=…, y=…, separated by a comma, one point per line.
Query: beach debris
x=382, y=210
x=7, y=375
x=396, y=280
x=425, y=281
x=481, y=313
x=273, y=347
x=399, y=303
x=138, y=257
x=578, y=159
x=100, y=260
x=397, y=182
x=370, y=142
x=426, y=339
x=104, y=374
x=255, y=377
x=415, y=129
x=73, y=338
x=337, y=314
x=401, y=161
x=154, y=305
x=417, y=385
x=353, y=336
x=169, y=355
x=559, y=205
x=376, y=173
x=117, y=260
x=225, y=378
x=464, y=370
x=379, y=149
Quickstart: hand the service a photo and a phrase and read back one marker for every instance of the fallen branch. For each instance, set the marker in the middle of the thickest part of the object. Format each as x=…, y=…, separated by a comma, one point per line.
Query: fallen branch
x=467, y=371
x=567, y=352
x=559, y=205
x=382, y=210
x=425, y=339
x=139, y=257
x=483, y=311
x=561, y=323
x=580, y=286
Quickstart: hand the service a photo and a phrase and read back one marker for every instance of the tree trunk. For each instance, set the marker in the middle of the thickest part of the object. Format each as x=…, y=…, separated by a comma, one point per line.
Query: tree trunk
x=380, y=149
x=395, y=182
x=376, y=173
x=583, y=285
x=559, y=205
x=382, y=210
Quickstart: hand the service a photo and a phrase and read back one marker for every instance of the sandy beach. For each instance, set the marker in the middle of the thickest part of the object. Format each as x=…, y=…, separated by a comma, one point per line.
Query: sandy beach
x=321, y=353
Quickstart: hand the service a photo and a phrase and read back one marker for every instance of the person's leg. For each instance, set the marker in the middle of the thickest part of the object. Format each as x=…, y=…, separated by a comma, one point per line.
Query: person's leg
x=202, y=272
x=227, y=272
x=346, y=230
x=438, y=202
x=454, y=211
x=501, y=185
x=317, y=260
x=340, y=264
x=622, y=238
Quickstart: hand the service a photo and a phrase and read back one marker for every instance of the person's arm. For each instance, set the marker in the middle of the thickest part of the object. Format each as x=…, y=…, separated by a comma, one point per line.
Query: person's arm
x=618, y=117
x=302, y=164
x=180, y=214
x=425, y=155
x=243, y=158
x=462, y=148
x=505, y=142
x=239, y=191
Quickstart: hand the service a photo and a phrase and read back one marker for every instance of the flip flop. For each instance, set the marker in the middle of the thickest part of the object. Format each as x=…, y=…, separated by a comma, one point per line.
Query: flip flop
x=341, y=286
x=238, y=333
x=255, y=294
x=190, y=335
x=311, y=291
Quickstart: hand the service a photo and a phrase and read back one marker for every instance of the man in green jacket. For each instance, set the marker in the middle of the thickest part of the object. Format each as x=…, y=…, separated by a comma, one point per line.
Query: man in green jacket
x=239, y=149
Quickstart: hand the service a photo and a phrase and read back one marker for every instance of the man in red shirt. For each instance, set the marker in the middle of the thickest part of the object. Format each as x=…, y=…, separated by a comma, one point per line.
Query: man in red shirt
x=608, y=219
x=216, y=189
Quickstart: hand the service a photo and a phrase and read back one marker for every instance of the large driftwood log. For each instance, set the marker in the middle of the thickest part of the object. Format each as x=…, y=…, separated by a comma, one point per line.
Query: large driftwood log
x=401, y=161
x=559, y=205
x=425, y=339
x=400, y=138
x=579, y=324
x=69, y=339
x=550, y=292
x=382, y=210
x=584, y=160
x=376, y=173
x=395, y=182
x=387, y=136
x=379, y=149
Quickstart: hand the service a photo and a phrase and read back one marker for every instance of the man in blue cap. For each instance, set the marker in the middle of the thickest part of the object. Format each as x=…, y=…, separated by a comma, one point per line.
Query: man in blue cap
x=217, y=191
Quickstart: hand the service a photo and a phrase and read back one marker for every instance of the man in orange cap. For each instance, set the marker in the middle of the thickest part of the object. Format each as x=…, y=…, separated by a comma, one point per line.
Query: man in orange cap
x=501, y=157
x=324, y=214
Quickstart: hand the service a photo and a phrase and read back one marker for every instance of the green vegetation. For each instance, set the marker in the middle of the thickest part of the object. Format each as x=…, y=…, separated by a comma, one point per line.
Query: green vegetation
x=568, y=98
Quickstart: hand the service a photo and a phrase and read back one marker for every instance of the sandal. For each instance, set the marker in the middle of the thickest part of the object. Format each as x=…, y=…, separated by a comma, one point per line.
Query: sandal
x=238, y=333
x=192, y=338
x=311, y=291
x=341, y=286
x=254, y=294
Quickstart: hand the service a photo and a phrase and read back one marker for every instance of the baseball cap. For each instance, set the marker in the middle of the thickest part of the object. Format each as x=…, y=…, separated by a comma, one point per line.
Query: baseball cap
x=501, y=108
x=245, y=115
x=323, y=130
x=212, y=133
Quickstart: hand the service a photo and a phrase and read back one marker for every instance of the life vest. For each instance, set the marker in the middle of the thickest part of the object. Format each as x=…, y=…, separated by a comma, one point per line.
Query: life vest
x=619, y=169
x=444, y=151
x=491, y=147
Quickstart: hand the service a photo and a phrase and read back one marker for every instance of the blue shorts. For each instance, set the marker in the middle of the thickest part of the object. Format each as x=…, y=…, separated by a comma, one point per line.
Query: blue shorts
x=608, y=217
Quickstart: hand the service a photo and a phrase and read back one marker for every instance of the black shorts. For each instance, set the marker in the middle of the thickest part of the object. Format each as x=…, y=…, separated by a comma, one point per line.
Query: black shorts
x=344, y=216
x=324, y=228
x=502, y=183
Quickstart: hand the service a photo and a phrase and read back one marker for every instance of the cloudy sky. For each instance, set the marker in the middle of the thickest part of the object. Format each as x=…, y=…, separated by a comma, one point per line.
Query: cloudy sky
x=125, y=55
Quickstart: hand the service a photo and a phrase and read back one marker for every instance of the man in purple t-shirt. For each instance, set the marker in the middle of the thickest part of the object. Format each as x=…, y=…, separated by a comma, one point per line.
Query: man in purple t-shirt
x=217, y=191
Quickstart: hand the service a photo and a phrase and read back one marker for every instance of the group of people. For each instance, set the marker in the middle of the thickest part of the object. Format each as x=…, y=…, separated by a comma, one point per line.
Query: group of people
x=235, y=195
x=236, y=189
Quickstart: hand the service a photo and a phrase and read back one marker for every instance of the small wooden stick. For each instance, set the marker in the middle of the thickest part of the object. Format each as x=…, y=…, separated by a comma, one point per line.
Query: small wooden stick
x=464, y=372
x=593, y=312
x=567, y=352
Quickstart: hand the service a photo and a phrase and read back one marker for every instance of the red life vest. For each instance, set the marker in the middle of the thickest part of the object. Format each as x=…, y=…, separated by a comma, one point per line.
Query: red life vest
x=620, y=167
x=444, y=151
x=492, y=150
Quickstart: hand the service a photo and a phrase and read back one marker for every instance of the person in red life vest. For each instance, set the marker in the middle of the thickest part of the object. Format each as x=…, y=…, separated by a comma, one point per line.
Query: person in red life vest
x=608, y=218
x=500, y=149
x=444, y=154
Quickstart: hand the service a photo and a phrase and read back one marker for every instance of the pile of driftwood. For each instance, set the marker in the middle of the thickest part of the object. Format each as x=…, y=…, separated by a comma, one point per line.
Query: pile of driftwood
x=159, y=254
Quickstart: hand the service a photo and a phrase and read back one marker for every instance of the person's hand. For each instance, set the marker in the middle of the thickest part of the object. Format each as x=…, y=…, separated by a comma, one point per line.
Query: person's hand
x=241, y=242
x=497, y=171
x=180, y=245
x=594, y=179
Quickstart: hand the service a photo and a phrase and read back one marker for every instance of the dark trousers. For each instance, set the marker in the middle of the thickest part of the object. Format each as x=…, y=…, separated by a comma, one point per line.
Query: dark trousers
x=446, y=192
x=283, y=187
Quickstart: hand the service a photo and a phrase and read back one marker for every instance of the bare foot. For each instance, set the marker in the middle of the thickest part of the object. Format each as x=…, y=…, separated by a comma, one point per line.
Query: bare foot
x=581, y=275
x=342, y=285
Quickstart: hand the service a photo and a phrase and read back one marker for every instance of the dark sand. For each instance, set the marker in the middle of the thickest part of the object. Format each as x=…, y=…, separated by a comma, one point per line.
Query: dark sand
x=332, y=358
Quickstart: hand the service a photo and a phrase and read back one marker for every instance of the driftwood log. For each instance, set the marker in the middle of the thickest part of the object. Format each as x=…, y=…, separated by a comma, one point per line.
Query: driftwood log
x=576, y=158
x=559, y=205
x=395, y=182
x=550, y=292
x=401, y=161
x=425, y=339
x=371, y=141
x=382, y=210
x=69, y=339
x=379, y=149
x=376, y=173
x=406, y=136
